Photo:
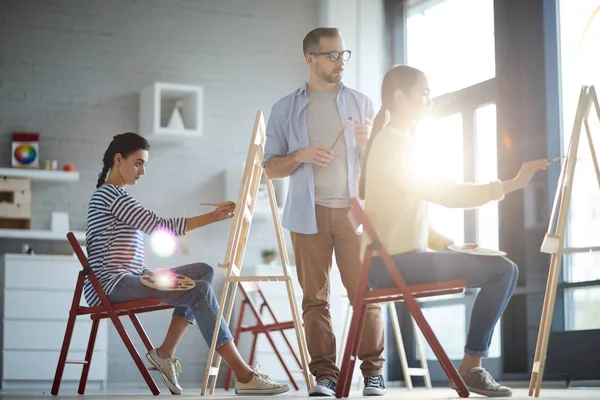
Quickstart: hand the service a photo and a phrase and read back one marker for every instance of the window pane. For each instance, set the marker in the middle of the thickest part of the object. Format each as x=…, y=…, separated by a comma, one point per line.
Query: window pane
x=449, y=325
x=583, y=267
x=486, y=170
x=580, y=64
x=496, y=344
x=440, y=150
x=584, y=308
x=452, y=41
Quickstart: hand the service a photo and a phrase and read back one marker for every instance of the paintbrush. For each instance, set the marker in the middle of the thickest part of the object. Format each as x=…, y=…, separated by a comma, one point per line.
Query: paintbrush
x=555, y=159
x=341, y=133
x=339, y=136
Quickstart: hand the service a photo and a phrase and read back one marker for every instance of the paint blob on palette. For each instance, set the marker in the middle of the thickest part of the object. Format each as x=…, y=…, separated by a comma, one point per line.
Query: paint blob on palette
x=166, y=280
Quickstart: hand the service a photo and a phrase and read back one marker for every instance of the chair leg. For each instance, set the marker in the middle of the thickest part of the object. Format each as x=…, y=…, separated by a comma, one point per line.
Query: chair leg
x=253, y=350
x=296, y=358
x=141, y=331
x=134, y=354
x=435, y=345
x=287, y=342
x=62, y=359
x=347, y=366
x=359, y=330
x=292, y=350
x=88, y=356
x=281, y=360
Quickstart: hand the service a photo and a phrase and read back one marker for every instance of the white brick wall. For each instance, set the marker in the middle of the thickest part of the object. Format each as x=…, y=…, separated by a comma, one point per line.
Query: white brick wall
x=72, y=70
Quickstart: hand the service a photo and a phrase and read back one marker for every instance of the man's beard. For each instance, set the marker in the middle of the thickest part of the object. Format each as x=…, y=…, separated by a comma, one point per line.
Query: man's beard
x=330, y=78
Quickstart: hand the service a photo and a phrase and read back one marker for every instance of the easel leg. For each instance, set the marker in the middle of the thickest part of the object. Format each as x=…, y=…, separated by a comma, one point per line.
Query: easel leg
x=400, y=345
x=227, y=317
x=422, y=356
x=545, y=327
x=213, y=345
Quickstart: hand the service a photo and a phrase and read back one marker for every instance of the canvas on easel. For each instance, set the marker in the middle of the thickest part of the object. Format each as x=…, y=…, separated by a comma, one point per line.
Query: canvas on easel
x=554, y=241
x=234, y=256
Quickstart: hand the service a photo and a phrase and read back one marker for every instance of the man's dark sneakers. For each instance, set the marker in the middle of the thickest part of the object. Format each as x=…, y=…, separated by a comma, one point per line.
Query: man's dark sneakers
x=324, y=387
x=374, y=386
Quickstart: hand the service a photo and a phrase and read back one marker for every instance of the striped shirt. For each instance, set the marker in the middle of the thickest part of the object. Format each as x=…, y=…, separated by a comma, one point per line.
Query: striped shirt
x=114, y=236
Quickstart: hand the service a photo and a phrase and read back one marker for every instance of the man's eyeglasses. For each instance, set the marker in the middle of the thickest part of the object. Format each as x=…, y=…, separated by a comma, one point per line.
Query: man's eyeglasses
x=335, y=55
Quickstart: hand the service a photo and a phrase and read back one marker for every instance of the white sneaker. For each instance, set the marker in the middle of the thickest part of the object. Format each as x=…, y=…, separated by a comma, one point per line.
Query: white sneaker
x=169, y=369
x=260, y=384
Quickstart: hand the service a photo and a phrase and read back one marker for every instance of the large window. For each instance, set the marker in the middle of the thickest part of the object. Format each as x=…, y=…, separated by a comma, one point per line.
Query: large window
x=486, y=170
x=440, y=148
x=580, y=65
x=452, y=41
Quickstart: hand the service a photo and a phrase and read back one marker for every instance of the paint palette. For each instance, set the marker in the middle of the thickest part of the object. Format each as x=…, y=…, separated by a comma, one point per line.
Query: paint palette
x=167, y=280
x=470, y=248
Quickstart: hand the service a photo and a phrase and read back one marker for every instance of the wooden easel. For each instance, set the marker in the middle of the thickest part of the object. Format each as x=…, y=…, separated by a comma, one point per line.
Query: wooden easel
x=234, y=255
x=554, y=240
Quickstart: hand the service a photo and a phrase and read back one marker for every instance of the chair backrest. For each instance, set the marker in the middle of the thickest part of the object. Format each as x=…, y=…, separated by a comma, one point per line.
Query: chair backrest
x=79, y=252
x=358, y=218
x=87, y=269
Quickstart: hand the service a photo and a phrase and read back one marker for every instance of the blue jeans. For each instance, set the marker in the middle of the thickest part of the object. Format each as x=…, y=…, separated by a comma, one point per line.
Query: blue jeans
x=496, y=276
x=195, y=305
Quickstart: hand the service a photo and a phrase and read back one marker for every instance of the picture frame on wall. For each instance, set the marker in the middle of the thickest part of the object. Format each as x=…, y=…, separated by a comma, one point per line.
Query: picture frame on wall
x=25, y=150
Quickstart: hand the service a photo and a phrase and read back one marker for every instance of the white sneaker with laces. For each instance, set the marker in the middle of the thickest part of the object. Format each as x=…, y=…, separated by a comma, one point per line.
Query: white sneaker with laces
x=260, y=385
x=169, y=369
x=479, y=381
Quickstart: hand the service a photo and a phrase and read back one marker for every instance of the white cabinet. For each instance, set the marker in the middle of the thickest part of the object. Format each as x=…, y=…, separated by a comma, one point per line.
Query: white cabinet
x=37, y=296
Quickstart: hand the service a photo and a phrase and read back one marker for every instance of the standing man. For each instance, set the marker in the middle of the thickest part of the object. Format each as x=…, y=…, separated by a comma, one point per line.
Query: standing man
x=301, y=129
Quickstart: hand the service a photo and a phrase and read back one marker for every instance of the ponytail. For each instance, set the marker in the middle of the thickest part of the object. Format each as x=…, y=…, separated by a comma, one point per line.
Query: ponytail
x=380, y=121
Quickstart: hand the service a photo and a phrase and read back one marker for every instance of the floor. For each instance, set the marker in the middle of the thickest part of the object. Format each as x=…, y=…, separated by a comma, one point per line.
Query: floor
x=394, y=393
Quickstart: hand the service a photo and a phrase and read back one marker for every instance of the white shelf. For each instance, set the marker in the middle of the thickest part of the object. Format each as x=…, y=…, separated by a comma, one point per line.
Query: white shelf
x=40, y=174
x=157, y=103
x=38, y=234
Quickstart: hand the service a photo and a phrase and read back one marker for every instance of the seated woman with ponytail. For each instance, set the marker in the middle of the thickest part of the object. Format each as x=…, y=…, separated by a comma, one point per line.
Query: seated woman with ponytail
x=114, y=238
x=397, y=188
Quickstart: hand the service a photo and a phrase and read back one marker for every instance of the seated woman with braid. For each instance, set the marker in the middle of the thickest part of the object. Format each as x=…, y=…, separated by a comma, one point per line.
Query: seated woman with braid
x=115, y=229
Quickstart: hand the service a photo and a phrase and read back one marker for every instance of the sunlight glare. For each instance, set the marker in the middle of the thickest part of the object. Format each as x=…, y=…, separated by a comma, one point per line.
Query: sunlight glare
x=164, y=243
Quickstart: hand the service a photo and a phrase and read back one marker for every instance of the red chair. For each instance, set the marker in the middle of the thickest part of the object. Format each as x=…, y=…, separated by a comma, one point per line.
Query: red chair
x=260, y=327
x=106, y=310
x=402, y=292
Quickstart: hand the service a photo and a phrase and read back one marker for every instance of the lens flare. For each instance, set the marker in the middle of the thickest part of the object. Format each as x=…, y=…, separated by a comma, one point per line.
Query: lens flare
x=164, y=243
x=164, y=278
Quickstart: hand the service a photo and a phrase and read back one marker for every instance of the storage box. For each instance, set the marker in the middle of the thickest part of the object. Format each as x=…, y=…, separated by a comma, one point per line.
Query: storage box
x=15, y=203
